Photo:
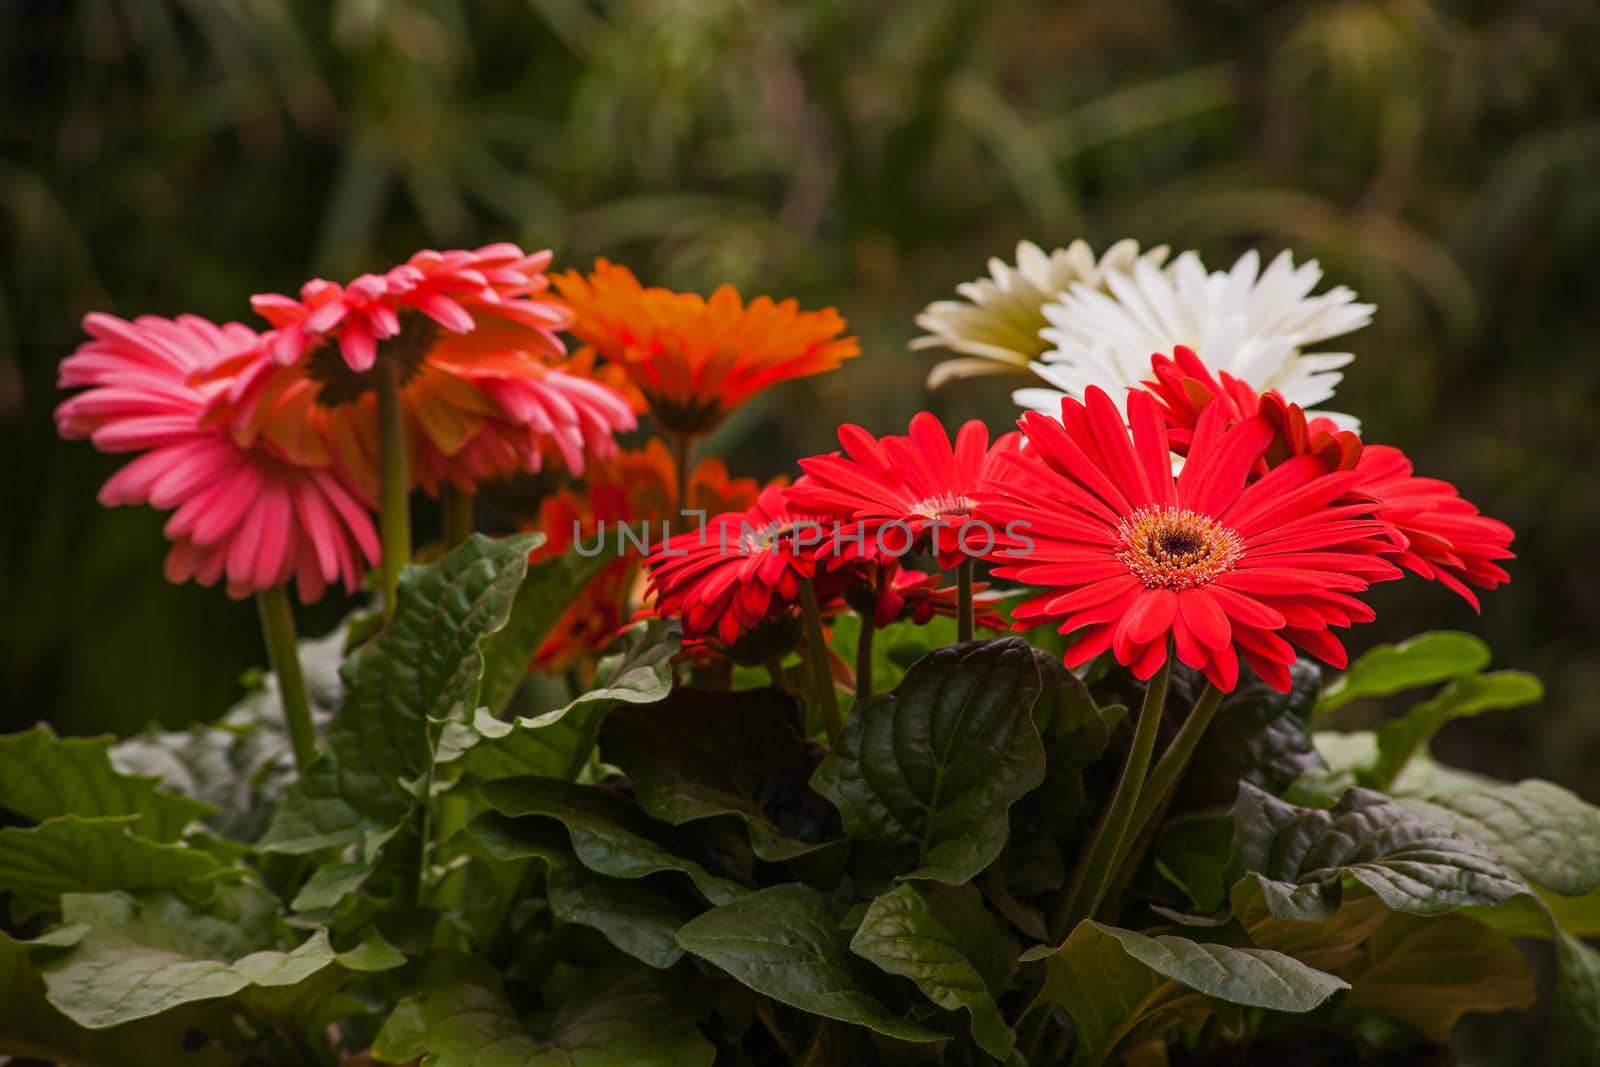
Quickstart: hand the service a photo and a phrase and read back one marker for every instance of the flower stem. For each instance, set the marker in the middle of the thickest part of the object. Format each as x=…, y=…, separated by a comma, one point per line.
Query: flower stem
x=1095, y=865
x=1169, y=768
x=458, y=517
x=864, y=658
x=821, y=677
x=394, y=525
x=682, y=456
x=283, y=653
x=964, y=599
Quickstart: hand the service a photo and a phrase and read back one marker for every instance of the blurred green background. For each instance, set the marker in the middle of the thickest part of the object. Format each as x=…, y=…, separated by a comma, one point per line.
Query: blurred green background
x=1441, y=158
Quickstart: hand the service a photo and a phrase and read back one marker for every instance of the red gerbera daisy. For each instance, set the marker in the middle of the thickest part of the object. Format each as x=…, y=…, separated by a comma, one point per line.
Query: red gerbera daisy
x=918, y=485
x=1138, y=559
x=725, y=578
x=1446, y=538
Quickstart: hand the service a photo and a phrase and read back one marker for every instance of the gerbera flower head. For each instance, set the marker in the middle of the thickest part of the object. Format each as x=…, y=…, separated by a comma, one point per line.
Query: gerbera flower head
x=247, y=514
x=1214, y=566
x=1446, y=538
x=637, y=489
x=696, y=359
x=474, y=341
x=996, y=324
x=906, y=491
x=1250, y=323
x=740, y=568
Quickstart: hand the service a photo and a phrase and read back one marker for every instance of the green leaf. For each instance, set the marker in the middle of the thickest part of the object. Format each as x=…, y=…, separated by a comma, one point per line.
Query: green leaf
x=1426, y=659
x=1543, y=832
x=1260, y=736
x=1122, y=987
x=1429, y=972
x=945, y=940
x=32, y=1028
x=1575, y=1005
x=1300, y=856
x=43, y=776
x=924, y=776
x=424, y=667
x=557, y=743
x=1400, y=739
x=462, y=1018
x=700, y=754
x=786, y=943
x=609, y=834
x=545, y=594
x=141, y=956
x=631, y=915
x=70, y=854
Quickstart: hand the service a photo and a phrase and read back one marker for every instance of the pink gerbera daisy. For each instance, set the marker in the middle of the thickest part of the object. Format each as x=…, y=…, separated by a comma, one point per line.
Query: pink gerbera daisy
x=1140, y=562
x=246, y=514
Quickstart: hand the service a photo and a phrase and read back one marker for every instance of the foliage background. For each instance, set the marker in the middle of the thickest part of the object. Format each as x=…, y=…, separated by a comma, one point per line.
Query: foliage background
x=1441, y=158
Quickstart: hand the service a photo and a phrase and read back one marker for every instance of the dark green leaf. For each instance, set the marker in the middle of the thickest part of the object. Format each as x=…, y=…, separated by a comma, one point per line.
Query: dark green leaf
x=424, y=667
x=1122, y=987
x=700, y=754
x=1400, y=739
x=545, y=594
x=633, y=916
x=786, y=943
x=1426, y=659
x=1575, y=1006
x=1301, y=855
x=945, y=940
x=1260, y=736
x=462, y=1018
x=42, y=776
x=609, y=834
x=924, y=776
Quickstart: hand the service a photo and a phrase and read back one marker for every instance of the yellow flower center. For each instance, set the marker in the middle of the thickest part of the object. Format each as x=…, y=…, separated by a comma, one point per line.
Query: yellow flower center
x=1175, y=548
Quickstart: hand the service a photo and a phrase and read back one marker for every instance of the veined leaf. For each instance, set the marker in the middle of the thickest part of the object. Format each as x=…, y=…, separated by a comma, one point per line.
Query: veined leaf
x=1426, y=659
x=71, y=854
x=462, y=1018
x=141, y=956
x=43, y=776
x=699, y=754
x=424, y=667
x=1260, y=736
x=945, y=940
x=1575, y=1007
x=786, y=943
x=1122, y=987
x=925, y=775
x=1300, y=856
x=544, y=595
x=1543, y=832
x=609, y=835
x=632, y=915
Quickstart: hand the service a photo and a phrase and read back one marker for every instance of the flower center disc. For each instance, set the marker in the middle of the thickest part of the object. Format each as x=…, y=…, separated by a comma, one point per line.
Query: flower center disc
x=1175, y=548
x=943, y=506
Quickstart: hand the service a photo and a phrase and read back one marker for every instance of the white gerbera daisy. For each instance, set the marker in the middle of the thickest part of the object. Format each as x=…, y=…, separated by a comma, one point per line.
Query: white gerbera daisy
x=998, y=322
x=1251, y=323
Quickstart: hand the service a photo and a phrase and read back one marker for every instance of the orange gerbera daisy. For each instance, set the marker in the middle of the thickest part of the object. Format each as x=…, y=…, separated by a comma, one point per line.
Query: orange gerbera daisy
x=697, y=359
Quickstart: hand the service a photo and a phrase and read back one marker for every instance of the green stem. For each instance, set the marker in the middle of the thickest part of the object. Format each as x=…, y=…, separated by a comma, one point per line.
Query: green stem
x=682, y=455
x=1094, y=868
x=394, y=525
x=964, y=599
x=459, y=521
x=283, y=653
x=820, y=675
x=1169, y=768
x=864, y=658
